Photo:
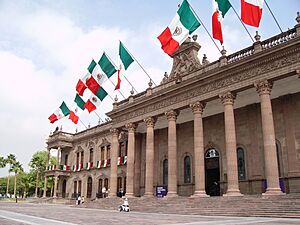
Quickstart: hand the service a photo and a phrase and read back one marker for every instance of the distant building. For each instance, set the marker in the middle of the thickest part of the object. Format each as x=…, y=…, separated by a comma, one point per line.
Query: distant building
x=228, y=127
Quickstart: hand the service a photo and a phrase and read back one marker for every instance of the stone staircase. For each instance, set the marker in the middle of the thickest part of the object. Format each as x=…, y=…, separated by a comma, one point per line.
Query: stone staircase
x=287, y=206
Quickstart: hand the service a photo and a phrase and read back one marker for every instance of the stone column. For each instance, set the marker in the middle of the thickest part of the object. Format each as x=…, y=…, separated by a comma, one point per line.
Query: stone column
x=58, y=159
x=150, y=122
x=271, y=166
x=230, y=139
x=55, y=186
x=113, y=163
x=130, y=160
x=172, y=154
x=45, y=177
x=197, y=109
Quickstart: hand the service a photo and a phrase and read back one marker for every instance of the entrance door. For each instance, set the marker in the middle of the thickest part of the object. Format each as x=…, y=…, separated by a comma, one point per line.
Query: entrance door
x=64, y=188
x=212, y=172
x=89, y=188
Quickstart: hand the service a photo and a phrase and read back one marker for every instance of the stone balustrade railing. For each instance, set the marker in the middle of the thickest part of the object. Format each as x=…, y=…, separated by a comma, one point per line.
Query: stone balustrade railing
x=278, y=39
x=240, y=55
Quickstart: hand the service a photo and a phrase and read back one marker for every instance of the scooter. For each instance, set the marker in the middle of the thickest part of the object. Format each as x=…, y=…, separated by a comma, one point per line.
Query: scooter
x=124, y=207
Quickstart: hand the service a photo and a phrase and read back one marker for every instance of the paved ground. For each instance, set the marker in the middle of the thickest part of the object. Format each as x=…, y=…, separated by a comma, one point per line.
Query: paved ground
x=39, y=214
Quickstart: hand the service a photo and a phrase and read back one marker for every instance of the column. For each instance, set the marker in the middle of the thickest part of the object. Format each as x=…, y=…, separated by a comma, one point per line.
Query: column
x=197, y=109
x=55, y=186
x=58, y=161
x=150, y=122
x=113, y=163
x=264, y=88
x=130, y=160
x=172, y=154
x=230, y=143
x=45, y=177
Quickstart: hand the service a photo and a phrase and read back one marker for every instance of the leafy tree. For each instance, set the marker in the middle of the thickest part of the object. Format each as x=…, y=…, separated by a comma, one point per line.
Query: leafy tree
x=16, y=168
x=38, y=165
x=2, y=162
x=11, y=159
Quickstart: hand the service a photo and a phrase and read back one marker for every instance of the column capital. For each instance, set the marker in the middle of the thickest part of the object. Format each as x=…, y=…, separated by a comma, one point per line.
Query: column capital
x=171, y=115
x=150, y=121
x=197, y=107
x=227, y=98
x=263, y=87
x=131, y=127
x=114, y=131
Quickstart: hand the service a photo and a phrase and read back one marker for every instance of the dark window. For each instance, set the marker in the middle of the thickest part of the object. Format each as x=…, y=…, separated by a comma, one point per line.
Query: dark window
x=106, y=183
x=102, y=153
x=119, y=184
x=66, y=159
x=82, y=157
x=241, y=164
x=187, y=169
x=91, y=155
x=108, y=152
x=77, y=158
x=165, y=172
x=79, y=187
x=100, y=186
x=75, y=186
x=278, y=160
x=89, y=187
x=126, y=148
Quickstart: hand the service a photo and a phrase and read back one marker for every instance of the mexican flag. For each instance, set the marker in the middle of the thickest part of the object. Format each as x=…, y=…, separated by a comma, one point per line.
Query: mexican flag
x=79, y=167
x=220, y=8
x=124, y=159
x=61, y=112
x=106, y=65
x=120, y=159
x=52, y=167
x=125, y=61
x=99, y=164
x=64, y=167
x=74, y=168
x=79, y=101
x=97, y=78
x=94, y=101
x=105, y=163
x=251, y=12
x=81, y=86
x=89, y=165
x=183, y=24
x=73, y=117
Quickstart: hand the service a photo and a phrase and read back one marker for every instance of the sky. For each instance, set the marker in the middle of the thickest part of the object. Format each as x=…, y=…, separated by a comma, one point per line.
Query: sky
x=46, y=46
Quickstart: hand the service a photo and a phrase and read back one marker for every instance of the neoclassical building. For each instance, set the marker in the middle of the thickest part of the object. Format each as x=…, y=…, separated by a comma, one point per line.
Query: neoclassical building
x=228, y=127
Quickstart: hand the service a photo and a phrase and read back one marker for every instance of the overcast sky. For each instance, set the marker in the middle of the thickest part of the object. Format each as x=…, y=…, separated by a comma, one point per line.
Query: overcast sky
x=46, y=46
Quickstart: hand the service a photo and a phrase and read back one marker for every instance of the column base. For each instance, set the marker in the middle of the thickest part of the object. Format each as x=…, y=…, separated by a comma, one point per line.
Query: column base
x=129, y=195
x=199, y=194
x=148, y=195
x=233, y=193
x=171, y=195
x=273, y=191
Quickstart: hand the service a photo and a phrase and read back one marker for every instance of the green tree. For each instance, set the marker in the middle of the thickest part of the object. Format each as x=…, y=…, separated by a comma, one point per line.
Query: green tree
x=11, y=159
x=2, y=162
x=16, y=168
x=38, y=165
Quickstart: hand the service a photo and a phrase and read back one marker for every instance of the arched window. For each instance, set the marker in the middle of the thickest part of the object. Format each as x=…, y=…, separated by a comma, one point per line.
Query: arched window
x=165, y=172
x=75, y=187
x=102, y=153
x=106, y=183
x=108, y=152
x=187, y=169
x=89, y=187
x=100, y=186
x=241, y=164
x=91, y=154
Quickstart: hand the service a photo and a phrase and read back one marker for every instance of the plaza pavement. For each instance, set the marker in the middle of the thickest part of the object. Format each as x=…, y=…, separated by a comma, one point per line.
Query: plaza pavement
x=51, y=214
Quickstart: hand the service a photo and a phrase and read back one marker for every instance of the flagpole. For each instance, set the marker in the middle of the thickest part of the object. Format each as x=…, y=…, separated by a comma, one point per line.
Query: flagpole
x=98, y=116
x=118, y=90
x=273, y=16
x=204, y=27
x=82, y=123
x=123, y=74
x=242, y=23
x=139, y=65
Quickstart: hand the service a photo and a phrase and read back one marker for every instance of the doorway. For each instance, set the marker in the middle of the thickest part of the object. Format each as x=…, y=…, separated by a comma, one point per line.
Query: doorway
x=64, y=188
x=89, y=187
x=212, y=172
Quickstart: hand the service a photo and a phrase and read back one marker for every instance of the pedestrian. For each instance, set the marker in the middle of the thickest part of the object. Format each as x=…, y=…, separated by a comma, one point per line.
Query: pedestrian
x=103, y=192
x=82, y=200
x=79, y=200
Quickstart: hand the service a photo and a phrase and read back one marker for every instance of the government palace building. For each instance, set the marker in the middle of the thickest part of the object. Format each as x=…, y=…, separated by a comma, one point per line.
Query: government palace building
x=225, y=128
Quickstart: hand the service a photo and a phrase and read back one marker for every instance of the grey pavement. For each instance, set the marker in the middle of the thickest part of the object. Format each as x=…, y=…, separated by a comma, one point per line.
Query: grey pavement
x=50, y=214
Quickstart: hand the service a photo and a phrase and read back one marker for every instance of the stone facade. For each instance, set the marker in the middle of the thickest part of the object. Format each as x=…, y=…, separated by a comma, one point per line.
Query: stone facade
x=229, y=127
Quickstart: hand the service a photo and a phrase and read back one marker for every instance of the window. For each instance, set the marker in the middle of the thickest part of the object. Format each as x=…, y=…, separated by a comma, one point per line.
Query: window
x=108, y=152
x=279, y=162
x=66, y=159
x=187, y=169
x=211, y=153
x=100, y=186
x=106, y=183
x=75, y=187
x=91, y=155
x=89, y=187
x=165, y=172
x=119, y=183
x=102, y=153
x=79, y=187
x=77, y=158
x=241, y=164
x=82, y=157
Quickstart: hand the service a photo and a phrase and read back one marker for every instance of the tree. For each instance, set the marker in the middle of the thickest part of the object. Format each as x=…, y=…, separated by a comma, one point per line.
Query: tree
x=2, y=162
x=16, y=168
x=38, y=164
x=11, y=159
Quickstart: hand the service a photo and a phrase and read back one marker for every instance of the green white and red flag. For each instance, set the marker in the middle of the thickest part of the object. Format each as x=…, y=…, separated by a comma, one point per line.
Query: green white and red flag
x=183, y=24
x=106, y=65
x=74, y=168
x=220, y=8
x=89, y=165
x=251, y=12
x=79, y=167
x=94, y=101
x=124, y=159
x=99, y=164
x=61, y=112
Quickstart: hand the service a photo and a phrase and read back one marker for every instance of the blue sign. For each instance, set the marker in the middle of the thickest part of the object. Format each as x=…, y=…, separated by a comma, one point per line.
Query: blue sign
x=161, y=191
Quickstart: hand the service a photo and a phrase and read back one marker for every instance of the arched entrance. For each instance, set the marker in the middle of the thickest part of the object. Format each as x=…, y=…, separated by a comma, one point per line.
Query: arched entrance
x=64, y=188
x=212, y=172
x=89, y=187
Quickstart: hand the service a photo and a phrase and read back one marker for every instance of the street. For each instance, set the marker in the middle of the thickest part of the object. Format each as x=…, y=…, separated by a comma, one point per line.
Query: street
x=50, y=214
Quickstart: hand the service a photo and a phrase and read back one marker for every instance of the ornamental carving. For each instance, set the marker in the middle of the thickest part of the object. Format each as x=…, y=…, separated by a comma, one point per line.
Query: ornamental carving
x=198, y=107
x=150, y=121
x=227, y=98
x=123, y=136
x=131, y=127
x=114, y=131
x=171, y=115
x=104, y=142
x=263, y=87
x=185, y=61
